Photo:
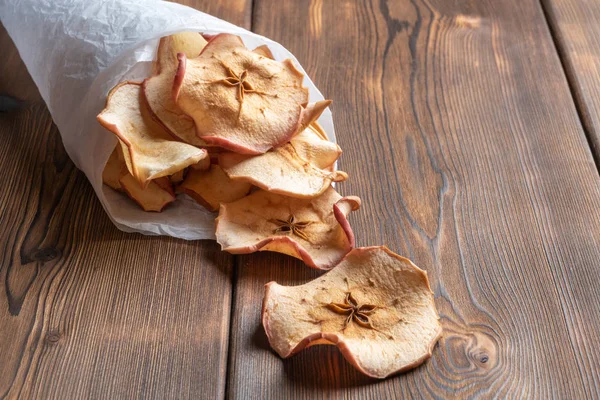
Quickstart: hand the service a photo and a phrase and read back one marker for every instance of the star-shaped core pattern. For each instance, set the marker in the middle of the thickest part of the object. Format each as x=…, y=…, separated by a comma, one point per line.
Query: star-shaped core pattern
x=355, y=313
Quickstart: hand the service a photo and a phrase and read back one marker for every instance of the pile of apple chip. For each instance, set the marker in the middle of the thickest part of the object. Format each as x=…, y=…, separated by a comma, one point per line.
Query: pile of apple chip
x=233, y=129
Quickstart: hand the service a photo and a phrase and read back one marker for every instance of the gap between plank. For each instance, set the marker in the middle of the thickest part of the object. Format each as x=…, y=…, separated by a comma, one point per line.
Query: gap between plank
x=252, y=14
x=229, y=356
x=569, y=75
x=234, y=276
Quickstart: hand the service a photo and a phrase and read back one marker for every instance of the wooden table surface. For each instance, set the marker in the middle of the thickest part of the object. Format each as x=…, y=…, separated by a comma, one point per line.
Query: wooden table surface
x=469, y=129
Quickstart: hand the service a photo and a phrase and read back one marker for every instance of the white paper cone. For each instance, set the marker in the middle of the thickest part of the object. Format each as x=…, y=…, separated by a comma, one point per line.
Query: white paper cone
x=77, y=50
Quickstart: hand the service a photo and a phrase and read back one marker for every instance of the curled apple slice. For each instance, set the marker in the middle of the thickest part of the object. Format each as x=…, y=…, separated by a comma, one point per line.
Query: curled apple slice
x=311, y=147
x=157, y=88
x=212, y=187
x=311, y=113
x=264, y=51
x=314, y=230
x=297, y=169
x=375, y=306
x=190, y=43
x=239, y=99
x=149, y=151
x=154, y=197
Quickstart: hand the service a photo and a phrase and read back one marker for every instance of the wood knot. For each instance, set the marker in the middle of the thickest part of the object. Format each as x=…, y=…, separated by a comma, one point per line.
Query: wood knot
x=53, y=337
x=472, y=351
x=46, y=254
x=481, y=350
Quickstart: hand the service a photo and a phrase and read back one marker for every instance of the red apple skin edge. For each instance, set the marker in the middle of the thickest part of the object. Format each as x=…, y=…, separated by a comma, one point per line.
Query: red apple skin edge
x=179, y=75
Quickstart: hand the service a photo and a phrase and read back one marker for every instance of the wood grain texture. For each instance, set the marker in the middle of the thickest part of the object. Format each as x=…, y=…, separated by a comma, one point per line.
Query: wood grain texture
x=575, y=25
x=87, y=311
x=238, y=12
x=461, y=137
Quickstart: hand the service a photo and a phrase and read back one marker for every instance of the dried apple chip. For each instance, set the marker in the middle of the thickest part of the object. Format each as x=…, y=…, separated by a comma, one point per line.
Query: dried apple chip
x=149, y=151
x=213, y=187
x=203, y=165
x=113, y=169
x=190, y=43
x=297, y=169
x=239, y=99
x=375, y=306
x=157, y=88
x=318, y=129
x=314, y=230
x=311, y=113
x=318, y=151
x=177, y=177
x=264, y=51
x=154, y=197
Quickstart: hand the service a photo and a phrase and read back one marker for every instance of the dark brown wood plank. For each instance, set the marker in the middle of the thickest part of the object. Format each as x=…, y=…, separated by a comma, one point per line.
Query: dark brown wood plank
x=87, y=311
x=461, y=137
x=575, y=25
x=238, y=12
x=15, y=80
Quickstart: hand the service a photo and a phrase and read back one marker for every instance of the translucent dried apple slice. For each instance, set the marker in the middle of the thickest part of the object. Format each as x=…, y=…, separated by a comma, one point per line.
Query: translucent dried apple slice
x=154, y=197
x=297, y=169
x=157, y=88
x=375, y=306
x=148, y=150
x=314, y=230
x=212, y=187
x=239, y=99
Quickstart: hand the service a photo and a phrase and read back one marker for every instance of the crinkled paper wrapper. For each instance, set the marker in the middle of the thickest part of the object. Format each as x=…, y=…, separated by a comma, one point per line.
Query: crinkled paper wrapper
x=77, y=50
